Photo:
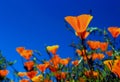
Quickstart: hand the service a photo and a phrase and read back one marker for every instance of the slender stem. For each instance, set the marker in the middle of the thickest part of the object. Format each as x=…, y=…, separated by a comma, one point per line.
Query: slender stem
x=90, y=67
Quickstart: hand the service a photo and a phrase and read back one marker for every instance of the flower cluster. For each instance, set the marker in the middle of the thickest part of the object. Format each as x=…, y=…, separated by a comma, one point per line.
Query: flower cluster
x=95, y=60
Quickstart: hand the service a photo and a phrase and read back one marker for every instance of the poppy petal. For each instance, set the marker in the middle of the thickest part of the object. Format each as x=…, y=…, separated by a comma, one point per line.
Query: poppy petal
x=83, y=21
x=115, y=31
x=72, y=20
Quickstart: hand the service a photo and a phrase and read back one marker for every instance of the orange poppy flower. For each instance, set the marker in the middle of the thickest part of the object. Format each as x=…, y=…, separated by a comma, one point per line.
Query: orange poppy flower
x=38, y=78
x=109, y=53
x=79, y=23
x=24, y=53
x=114, y=66
x=100, y=56
x=55, y=60
x=116, y=70
x=93, y=44
x=53, y=68
x=97, y=56
x=61, y=75
x=115, y=31
x=103, y=46
x=24, y=80
x=75, y=63
x=31, y=74
x=3, y=73
x=108, y=63
x=64, y=61
x=81, y=52
x=42, y=67
x=20, y=49
x=21, y=74
x=94, y=56
x=91, y=73
x=29, y=65
x=47, y=63
x=85, y=58
x=53, y=49
x=27, y=54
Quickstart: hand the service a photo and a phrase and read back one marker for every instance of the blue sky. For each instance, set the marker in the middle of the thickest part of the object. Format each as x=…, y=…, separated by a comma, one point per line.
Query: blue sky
x=36, y=23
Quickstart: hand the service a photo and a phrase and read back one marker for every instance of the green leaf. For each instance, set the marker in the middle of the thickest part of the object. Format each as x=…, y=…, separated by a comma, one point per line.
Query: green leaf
x=91, y=29
x=36, y=51
x=11, y=63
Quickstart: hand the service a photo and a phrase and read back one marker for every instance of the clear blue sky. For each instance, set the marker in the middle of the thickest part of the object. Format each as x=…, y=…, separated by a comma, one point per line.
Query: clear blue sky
x=36, y=23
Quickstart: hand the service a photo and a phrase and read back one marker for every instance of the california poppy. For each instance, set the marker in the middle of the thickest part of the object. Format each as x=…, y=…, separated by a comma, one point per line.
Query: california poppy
x=21, y=74
x=85, y=58
x=52, y=49
x=97, y=56
x=55, y=61
x=103, y=46
x=64, y=61
x=24, y=53
x=53, y=68
x=31, y=74
x=20, y=49
x=114, y=66
x=80, y=24
x=91, y=73
x=94, y=56
x=108, y=63
x=81, y=52
x=38, y=78
x=42, y=67
x=109, y=53
x=47, y=63
x=115, y=31
x=100, y=56
x=29, y=65
x=93, y=44
x=3, y=72
x=60, y=75
x=75, y=63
